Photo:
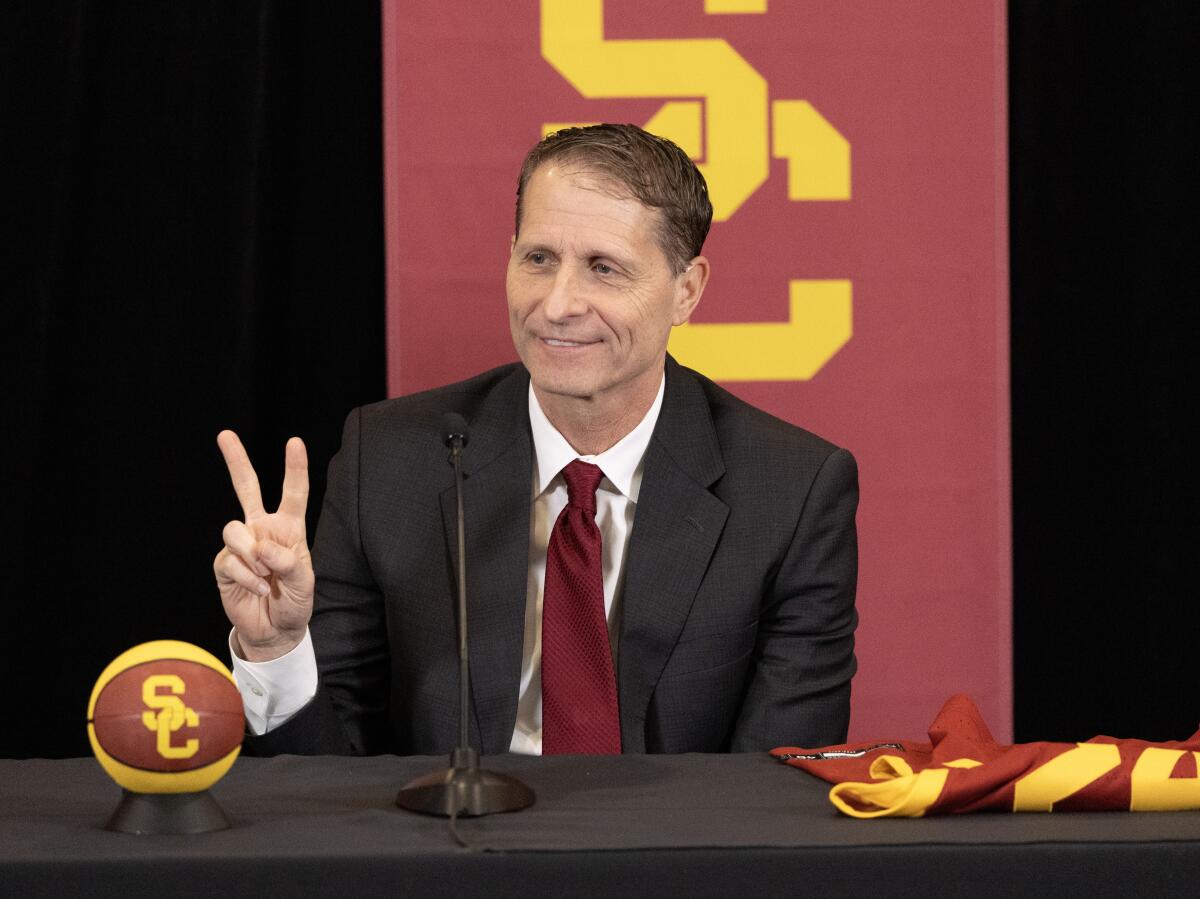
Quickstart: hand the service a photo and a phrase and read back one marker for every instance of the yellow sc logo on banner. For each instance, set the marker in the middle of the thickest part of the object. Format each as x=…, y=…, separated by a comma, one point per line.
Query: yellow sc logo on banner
x=729, y=128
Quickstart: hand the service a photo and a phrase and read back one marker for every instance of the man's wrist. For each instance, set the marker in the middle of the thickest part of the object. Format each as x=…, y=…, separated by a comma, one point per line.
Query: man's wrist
x=265, y=652
x=274, y=690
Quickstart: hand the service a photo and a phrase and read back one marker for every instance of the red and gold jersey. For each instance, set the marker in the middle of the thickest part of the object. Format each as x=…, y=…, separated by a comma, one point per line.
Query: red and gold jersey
x=963, y=769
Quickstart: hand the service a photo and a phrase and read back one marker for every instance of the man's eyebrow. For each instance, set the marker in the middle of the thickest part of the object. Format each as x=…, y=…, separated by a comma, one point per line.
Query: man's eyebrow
x=625, y=260
x=534, y=246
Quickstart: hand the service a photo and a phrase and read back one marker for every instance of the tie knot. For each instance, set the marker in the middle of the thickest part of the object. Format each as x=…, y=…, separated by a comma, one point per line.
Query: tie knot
x=582, y=480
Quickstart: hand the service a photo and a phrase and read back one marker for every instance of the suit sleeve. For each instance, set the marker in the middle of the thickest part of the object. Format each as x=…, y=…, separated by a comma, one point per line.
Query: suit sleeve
x=348, y=714
x=799, y=692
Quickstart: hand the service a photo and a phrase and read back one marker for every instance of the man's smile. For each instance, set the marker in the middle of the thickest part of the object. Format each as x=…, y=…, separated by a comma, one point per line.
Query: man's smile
x=558, y=342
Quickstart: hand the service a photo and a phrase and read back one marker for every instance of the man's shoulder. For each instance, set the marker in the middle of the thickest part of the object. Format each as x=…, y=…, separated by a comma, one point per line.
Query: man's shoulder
x=739, y=425
x=506, y=383
x=759, y=459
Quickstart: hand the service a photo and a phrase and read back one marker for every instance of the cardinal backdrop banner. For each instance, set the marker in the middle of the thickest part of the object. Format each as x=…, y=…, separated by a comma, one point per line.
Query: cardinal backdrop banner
x=855, y=155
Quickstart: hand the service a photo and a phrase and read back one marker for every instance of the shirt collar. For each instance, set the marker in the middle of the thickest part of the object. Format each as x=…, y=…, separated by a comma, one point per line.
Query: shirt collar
x=621, y=463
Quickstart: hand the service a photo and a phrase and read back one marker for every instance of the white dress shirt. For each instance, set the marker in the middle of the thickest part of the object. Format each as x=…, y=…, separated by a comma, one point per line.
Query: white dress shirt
x=274, y=691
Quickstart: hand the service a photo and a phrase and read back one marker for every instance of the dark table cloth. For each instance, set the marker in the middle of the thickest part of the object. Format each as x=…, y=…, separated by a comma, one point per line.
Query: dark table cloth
x=627, y=825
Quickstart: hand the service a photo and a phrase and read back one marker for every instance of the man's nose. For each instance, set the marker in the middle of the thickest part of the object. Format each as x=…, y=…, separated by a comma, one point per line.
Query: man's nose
x=565, y=299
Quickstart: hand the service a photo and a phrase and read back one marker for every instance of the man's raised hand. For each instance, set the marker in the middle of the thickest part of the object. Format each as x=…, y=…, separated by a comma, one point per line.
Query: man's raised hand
x=264, y=571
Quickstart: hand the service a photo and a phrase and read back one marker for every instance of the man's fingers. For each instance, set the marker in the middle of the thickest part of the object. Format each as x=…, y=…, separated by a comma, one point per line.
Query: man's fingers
x=281, y=560
x=229, y=567
x=295, y=479
x=240, y=541
x=241, y=472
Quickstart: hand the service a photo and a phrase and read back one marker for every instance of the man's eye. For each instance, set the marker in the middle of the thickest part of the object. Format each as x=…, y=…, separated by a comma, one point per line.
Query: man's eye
x=601, y=269
x=537, y=258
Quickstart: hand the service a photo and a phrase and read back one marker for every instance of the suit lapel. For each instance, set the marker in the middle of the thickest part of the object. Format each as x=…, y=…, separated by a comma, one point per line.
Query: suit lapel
x=676, y=528
x=497, y=466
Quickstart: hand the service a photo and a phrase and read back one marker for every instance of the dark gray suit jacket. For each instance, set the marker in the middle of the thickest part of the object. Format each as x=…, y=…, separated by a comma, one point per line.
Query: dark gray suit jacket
x=738, y=600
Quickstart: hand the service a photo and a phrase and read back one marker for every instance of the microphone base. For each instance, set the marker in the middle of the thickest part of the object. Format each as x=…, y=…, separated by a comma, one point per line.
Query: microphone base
x=464, y=790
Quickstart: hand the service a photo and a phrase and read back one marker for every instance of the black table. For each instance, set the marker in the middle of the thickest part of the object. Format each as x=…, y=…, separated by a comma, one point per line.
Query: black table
x=739, y=825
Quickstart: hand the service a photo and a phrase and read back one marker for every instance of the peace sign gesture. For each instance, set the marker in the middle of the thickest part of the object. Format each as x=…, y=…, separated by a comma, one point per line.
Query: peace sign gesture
x=265, y=571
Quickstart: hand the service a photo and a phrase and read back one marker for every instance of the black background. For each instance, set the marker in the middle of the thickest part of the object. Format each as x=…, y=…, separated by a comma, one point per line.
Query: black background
x=193, y=198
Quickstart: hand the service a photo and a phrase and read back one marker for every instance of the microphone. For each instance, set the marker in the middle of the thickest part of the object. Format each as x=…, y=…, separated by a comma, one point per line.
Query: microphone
x=454, y=431
x=464, y=788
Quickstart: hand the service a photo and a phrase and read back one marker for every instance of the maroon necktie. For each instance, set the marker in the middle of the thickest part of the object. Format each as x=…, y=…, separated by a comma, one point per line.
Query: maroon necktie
x=579, y=691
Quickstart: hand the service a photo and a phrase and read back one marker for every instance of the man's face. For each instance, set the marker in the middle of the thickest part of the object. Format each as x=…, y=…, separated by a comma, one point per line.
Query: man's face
x=591, y=296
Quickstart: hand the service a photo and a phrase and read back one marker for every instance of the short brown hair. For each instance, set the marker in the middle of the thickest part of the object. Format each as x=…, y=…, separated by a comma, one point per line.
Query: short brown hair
x=654, y=171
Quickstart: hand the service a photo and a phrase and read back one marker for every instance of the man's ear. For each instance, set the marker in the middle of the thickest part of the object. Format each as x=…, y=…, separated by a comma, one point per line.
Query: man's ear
x=689, y=286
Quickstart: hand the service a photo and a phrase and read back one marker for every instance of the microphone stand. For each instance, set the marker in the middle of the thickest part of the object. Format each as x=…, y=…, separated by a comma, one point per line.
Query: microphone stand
x=464, y=789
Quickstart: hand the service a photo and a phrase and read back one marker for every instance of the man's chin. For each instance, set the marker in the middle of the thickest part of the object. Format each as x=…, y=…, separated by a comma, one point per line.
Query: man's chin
x=552, y=378
x=562, y=386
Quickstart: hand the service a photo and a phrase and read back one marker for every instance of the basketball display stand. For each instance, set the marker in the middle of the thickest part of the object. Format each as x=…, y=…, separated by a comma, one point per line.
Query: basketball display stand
x=167, y=813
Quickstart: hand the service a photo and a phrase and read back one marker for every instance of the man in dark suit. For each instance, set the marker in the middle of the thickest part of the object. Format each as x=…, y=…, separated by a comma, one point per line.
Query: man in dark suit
x=724, y=550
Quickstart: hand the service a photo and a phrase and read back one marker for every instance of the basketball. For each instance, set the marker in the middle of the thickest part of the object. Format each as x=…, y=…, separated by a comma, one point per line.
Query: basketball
x=165, y=717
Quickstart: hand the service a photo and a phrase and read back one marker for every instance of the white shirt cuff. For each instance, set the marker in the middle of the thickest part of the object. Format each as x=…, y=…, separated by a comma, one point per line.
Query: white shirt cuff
x=274, y=691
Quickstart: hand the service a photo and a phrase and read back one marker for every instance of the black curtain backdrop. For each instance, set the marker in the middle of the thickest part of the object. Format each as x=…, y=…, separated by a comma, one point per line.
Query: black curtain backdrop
x=193, y=194
x=199, y=245
x=1103, y=191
